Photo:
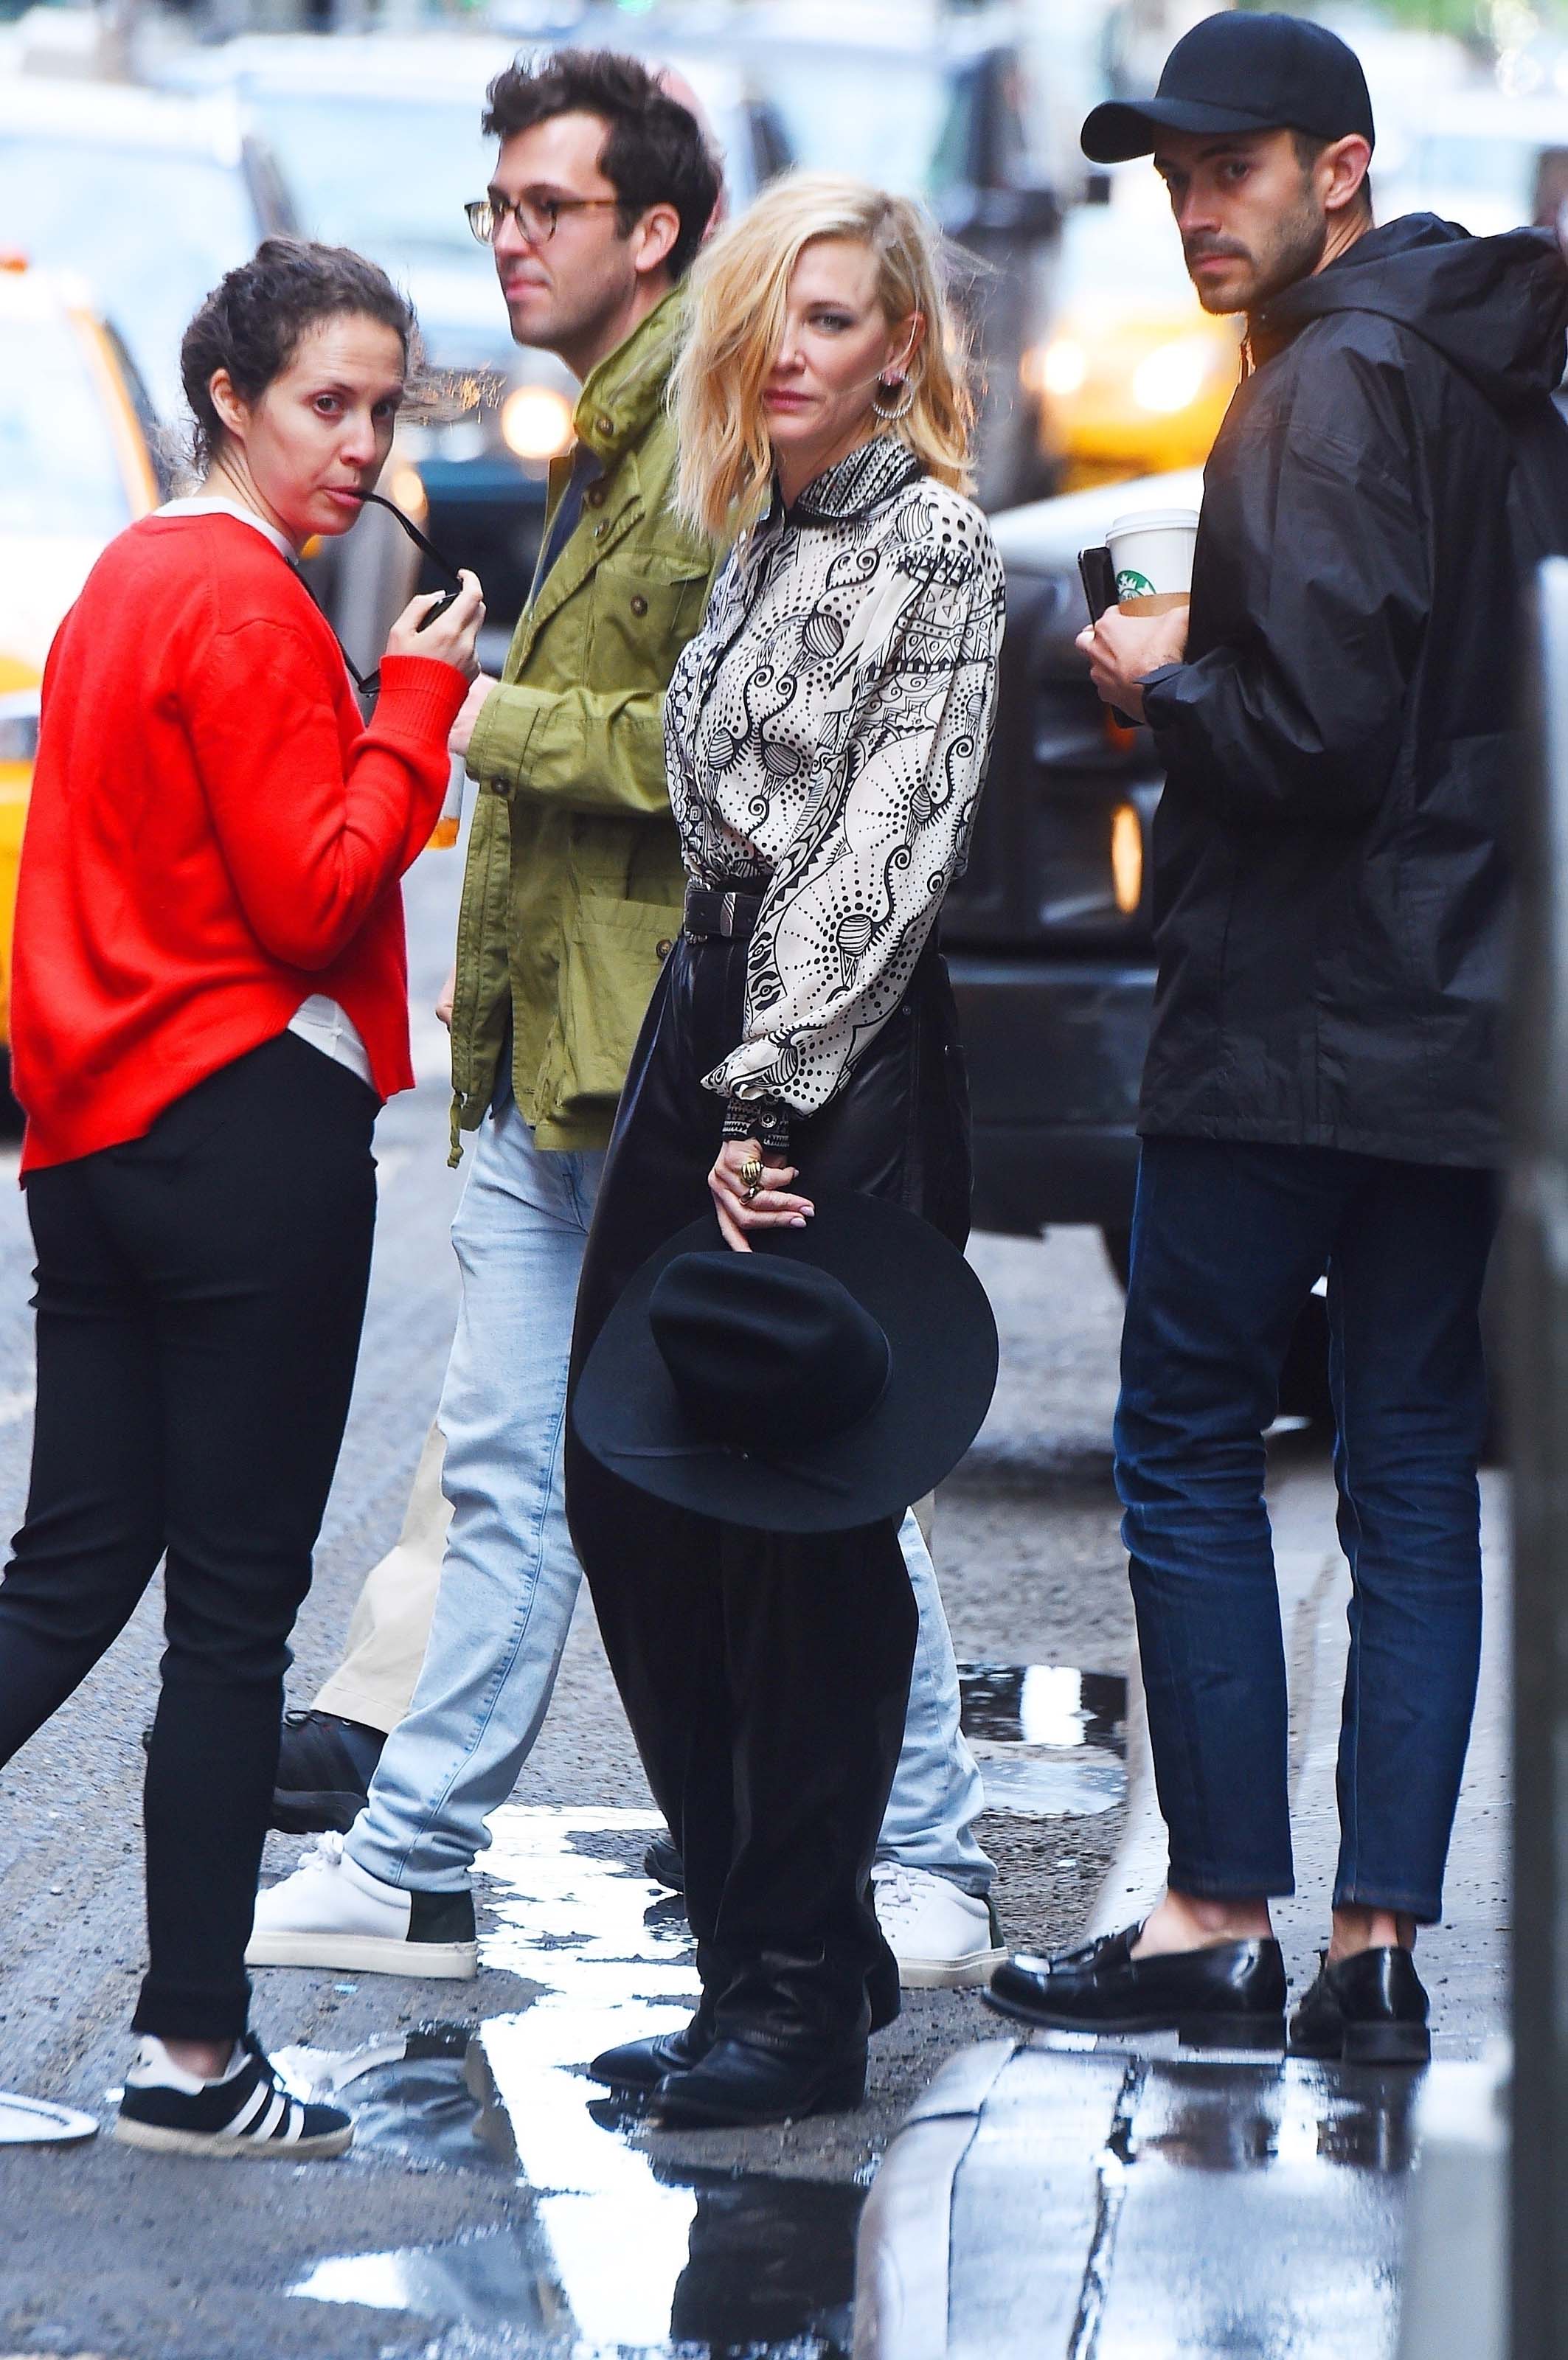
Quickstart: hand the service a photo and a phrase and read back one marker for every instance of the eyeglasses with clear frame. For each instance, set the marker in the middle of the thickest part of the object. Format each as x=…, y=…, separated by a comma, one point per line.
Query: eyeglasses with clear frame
x=536, y=216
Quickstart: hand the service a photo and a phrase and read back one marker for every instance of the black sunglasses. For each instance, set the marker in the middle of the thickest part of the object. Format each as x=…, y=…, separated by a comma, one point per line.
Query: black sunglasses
x=369, y=682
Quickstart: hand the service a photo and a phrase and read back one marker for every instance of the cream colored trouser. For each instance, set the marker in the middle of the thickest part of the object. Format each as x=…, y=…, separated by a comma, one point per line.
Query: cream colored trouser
x=392, y=1619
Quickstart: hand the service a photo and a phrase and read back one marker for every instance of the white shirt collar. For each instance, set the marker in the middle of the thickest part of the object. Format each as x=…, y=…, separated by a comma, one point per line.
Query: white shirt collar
x=214, y=504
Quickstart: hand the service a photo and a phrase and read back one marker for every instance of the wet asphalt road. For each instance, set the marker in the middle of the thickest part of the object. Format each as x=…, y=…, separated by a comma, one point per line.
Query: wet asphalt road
x=490, y=2205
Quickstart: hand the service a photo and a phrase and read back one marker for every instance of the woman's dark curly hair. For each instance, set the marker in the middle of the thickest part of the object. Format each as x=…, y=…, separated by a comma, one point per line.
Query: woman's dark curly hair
x=252, y=322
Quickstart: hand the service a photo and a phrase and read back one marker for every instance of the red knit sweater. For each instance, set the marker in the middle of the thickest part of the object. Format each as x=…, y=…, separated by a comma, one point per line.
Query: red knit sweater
x=213, y=834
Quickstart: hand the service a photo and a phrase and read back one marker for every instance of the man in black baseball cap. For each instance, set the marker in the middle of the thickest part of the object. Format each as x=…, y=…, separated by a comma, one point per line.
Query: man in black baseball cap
x=1322, y=1093
x=1262, y=131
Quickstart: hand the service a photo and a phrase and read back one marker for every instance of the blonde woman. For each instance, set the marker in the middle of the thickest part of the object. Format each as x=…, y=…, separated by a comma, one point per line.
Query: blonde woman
x=826, y=738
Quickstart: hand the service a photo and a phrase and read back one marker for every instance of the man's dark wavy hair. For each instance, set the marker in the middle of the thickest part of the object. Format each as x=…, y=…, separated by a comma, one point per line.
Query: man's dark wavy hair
x=654, y=152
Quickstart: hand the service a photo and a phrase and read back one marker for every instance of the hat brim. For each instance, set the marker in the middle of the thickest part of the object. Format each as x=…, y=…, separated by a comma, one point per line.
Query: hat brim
x=943, y=1361
x=1119, y=130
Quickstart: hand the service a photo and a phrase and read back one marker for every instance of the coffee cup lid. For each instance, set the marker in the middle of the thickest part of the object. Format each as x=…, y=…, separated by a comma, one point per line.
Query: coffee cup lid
x=1154, y=520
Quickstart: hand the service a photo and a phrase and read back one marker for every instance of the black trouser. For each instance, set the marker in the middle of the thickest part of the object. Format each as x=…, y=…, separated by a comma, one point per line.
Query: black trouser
x=765, y=1675
x=200, y=1297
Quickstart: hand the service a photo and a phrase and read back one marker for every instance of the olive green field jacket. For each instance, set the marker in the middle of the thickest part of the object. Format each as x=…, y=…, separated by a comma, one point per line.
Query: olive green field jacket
x=573, y=888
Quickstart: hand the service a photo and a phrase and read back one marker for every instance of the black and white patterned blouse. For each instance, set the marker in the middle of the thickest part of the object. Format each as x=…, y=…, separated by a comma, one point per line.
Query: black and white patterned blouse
x=826, y=736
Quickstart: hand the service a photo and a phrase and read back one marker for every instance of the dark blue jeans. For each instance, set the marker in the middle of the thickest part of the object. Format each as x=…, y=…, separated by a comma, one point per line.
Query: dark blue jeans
x=1228, y=1239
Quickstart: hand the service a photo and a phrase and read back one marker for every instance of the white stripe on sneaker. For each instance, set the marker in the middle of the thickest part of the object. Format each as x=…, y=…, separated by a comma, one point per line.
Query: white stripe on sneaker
x=253, y=2106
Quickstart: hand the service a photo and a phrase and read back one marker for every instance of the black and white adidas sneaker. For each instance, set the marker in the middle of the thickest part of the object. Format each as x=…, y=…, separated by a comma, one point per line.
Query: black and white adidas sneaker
x=245, y=2113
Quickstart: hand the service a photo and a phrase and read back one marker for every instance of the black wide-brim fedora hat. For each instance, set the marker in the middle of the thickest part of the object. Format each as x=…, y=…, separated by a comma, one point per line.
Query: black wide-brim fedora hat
x=941, y=1373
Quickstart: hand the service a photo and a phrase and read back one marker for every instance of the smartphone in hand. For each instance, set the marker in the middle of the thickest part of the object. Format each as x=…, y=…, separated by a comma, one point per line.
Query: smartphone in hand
x=1098, y=575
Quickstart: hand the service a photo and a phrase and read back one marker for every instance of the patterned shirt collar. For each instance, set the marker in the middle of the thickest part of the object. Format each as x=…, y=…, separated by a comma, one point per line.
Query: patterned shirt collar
x=857, y=482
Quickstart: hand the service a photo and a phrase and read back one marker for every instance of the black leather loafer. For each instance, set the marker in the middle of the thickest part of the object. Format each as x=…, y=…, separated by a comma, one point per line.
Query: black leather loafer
x=1231, y=1996
x=739, y=2082
x=643, y=2064
x=1369, y=2010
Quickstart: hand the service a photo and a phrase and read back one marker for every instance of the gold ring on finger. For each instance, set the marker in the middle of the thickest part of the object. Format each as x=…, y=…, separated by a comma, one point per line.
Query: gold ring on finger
x=752, y=1175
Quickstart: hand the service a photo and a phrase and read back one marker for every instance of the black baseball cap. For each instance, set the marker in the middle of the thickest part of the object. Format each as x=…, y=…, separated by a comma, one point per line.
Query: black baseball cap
x=1241, y=73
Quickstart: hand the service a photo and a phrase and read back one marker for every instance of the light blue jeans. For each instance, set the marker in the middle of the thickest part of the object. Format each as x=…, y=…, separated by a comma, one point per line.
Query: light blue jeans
x=510, y=1579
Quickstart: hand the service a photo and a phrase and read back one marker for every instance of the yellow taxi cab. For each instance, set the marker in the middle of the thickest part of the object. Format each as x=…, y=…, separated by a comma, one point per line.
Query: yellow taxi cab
x=75, y=466
x=1132, y=377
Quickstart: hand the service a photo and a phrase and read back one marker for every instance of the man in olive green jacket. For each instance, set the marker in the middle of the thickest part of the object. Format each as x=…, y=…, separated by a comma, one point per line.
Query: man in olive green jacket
x=572, y=898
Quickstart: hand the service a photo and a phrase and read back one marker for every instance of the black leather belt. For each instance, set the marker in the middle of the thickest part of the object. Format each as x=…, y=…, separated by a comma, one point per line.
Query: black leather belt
x=715, y=910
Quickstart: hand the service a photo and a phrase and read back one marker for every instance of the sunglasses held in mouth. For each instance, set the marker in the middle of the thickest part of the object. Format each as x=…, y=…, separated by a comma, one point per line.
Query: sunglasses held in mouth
x=369, y=682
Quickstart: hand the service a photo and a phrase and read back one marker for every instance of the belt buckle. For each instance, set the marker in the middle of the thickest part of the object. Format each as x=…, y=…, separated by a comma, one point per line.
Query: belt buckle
x=727, y=915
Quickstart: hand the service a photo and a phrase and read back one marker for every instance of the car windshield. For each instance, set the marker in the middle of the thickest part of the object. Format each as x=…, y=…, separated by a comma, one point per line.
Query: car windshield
x=334, y=147
x=151, y=233
x=886, y=106
x=60, y=473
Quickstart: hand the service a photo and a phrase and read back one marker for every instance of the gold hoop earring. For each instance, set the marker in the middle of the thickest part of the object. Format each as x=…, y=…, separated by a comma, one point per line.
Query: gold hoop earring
x=901, y=409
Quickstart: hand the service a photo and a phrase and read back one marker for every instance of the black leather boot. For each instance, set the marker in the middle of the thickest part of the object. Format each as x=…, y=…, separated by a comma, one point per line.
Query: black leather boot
x=643, y=2064
x=1368, y=2010
x=1231, y=1996
x=742, y=2081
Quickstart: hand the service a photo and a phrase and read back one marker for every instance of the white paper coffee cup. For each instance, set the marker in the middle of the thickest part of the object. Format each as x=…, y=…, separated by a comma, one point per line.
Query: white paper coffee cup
x=1152, y=554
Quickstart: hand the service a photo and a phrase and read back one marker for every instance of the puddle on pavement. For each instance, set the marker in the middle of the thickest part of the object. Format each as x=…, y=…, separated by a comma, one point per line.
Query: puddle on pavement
x=621, y=2251
x=1237, y=2117
x=1050, y=1740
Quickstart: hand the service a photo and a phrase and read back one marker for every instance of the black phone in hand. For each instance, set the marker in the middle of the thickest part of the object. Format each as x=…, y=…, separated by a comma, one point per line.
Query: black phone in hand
x=1098, y=577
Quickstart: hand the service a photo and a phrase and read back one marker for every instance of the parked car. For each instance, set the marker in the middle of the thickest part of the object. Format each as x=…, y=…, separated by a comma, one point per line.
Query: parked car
x=75, y=467
x=1133, y=375
x=147, y=198
x=380, y=135
x=1047, y=934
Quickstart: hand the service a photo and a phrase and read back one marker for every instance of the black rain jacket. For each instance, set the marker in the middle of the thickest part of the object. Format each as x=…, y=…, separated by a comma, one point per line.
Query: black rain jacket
x=1330, y=877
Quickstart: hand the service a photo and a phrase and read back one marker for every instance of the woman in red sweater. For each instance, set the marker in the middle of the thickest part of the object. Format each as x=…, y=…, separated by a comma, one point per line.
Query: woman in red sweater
x=208, y=1005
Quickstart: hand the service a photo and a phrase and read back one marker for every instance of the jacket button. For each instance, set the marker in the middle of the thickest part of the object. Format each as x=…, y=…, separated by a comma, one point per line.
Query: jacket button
x=595, y=495
x=639, y=605
x=664, y=948
x=603, y=424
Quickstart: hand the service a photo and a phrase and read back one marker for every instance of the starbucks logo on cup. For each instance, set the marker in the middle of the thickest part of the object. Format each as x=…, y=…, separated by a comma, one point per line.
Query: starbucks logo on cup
x=1151, y=553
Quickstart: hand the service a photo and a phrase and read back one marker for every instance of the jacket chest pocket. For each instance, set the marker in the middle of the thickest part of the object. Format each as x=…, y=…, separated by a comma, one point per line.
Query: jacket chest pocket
x=639, y=622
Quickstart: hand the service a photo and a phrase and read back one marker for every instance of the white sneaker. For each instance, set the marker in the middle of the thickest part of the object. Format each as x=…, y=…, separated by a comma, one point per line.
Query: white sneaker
x=943, y=1937
x=332, y=1913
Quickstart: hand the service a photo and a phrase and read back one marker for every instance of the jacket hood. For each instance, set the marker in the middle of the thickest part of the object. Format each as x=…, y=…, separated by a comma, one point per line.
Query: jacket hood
x=1494, y=307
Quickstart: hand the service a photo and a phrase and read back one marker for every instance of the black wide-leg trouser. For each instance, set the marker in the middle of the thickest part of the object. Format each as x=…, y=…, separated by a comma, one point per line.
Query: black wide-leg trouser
x=200, y=1297
x=765, y=1675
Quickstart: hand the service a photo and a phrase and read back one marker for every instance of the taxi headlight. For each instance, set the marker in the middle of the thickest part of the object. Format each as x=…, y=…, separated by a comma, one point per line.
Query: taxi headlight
x=1063, y=366
x=1172, y=377
x=19, y=726
x=1126, y=859
x=536, y=423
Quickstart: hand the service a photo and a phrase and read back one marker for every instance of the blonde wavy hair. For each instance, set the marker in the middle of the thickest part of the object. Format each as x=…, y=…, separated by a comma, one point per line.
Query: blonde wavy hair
x=735, y=318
